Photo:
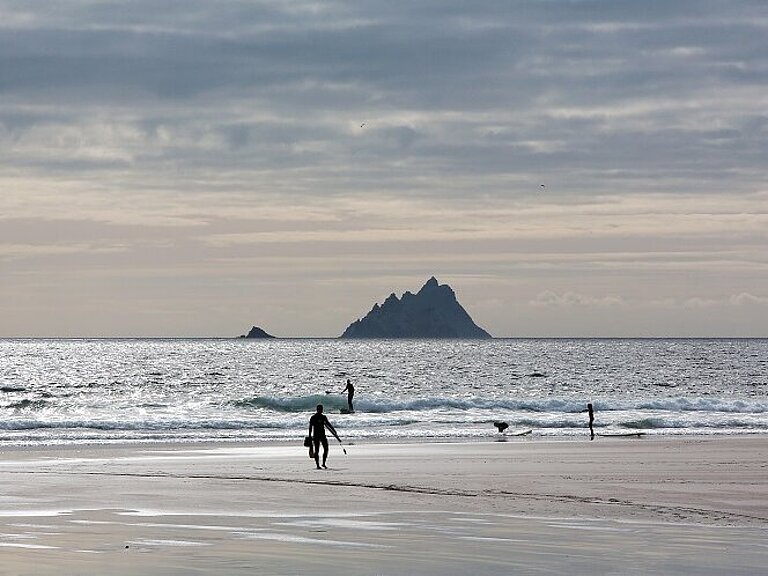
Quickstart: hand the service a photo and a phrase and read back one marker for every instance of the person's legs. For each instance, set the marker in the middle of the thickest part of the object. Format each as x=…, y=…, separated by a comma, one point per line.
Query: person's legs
x=317, y=450
x=325, y=450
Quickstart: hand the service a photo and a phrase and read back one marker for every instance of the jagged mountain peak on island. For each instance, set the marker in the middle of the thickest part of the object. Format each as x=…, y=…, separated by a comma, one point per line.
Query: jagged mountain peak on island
x=431, y=284
x=433, y=312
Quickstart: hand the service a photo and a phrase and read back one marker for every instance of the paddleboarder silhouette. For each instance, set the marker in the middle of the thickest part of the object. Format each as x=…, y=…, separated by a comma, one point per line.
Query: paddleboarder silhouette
x=350, y=390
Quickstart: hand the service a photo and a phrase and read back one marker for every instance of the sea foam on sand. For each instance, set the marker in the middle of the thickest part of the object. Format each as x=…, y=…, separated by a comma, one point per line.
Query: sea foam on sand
x=524, y=506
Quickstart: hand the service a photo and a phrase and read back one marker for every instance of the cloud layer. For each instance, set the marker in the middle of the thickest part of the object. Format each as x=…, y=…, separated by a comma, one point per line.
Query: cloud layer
x=187, y=168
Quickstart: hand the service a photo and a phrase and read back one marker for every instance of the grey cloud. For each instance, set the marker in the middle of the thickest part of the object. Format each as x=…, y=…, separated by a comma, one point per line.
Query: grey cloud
x=419, y=57
x=186, y=118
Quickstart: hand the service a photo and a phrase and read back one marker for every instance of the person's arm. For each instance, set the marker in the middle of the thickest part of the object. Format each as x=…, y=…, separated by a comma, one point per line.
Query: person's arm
x=310, y=428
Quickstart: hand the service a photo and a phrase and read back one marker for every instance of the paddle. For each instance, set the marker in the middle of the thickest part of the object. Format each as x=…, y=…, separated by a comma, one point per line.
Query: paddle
x=342, y=445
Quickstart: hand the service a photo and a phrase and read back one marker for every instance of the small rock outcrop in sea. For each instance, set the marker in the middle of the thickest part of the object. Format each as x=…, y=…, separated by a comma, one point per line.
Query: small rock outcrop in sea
x=433, y=312
x=257, y=332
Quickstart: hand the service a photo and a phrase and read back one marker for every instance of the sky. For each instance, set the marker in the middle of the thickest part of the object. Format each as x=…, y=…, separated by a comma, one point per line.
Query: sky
x=187, y=168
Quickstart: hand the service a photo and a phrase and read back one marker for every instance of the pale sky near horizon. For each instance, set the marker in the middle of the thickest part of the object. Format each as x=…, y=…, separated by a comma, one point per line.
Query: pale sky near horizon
x=189, y=168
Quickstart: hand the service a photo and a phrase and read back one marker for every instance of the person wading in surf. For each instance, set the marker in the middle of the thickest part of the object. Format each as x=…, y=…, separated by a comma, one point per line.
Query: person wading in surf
x=317, y=425
x=350, y=390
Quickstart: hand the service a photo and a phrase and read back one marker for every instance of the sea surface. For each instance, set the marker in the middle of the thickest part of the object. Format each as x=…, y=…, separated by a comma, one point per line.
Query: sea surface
x=55, y=392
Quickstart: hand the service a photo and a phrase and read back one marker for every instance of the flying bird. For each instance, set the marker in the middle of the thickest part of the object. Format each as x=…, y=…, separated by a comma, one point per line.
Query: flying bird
x=501, y=426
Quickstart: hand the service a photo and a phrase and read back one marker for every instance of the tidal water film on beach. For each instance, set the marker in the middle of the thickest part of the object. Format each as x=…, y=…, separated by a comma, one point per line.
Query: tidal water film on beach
x=74, y=391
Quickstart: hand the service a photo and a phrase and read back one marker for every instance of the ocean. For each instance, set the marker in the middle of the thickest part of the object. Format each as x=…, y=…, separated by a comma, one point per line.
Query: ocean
x=59, y=392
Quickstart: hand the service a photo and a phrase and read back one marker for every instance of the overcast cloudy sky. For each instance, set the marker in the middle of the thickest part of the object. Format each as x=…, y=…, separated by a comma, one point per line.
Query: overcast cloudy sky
x=191, y=168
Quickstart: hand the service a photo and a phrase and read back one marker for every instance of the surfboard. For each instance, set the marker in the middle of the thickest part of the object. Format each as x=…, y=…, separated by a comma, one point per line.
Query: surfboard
x=520, y=433
x=346, y=411
x=621, y=434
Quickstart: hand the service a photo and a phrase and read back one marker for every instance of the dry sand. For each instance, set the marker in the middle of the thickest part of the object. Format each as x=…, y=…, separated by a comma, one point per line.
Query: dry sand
x=524, y=506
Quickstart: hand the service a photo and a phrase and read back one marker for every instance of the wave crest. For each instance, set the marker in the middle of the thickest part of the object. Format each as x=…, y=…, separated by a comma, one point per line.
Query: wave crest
x=296, y=404
x=335, y=402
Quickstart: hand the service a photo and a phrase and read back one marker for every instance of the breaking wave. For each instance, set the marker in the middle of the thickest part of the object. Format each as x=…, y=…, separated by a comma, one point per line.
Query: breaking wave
x=333, y=402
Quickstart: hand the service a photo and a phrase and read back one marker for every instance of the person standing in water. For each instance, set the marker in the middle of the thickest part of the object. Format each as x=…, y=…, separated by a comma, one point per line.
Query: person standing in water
x=317, y=425
x=591, y=421
x=350, y=390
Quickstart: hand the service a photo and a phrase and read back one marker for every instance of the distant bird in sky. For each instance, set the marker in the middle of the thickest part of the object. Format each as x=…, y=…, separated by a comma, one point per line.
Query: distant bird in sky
x=363, y=124
x=501, y=426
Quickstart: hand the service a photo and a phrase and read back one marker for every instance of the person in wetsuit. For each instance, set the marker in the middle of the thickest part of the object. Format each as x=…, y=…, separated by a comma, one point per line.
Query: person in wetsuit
x=317, y=425
x=350, y=390
x=591, y=421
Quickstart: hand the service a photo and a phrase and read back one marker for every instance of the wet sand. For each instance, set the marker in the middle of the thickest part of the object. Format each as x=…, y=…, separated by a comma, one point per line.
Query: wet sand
x=523, y=506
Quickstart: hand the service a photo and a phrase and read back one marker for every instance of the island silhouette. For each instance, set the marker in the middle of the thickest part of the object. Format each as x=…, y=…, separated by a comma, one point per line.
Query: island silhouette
x=258, y=333
x=433, y=312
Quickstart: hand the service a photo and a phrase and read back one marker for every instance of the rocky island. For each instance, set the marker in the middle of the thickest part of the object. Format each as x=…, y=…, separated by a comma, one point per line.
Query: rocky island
x=433, y=312
x=257, y=332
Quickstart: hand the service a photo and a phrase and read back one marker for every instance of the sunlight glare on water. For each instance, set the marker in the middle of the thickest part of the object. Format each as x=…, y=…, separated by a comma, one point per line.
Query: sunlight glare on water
x=70, y=391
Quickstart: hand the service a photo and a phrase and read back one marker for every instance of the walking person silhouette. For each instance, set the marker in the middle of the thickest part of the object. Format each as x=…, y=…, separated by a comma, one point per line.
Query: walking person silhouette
x=317, y=425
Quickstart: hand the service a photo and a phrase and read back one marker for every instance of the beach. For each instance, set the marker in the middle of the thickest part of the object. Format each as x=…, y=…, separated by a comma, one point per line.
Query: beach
x=522, y=505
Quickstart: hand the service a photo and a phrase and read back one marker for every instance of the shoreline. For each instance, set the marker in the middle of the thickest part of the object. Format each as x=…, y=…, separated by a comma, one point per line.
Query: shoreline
x=601, y=435
x=533, y=506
